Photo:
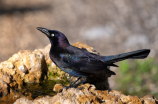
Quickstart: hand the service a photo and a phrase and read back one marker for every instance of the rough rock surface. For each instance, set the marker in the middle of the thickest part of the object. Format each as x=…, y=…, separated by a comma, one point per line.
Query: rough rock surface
x=89, y=95
x=25, y=66
x=88, y=48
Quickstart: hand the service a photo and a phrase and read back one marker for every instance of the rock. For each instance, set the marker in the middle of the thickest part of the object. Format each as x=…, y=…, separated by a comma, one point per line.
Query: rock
x=24, y=66
x=23, y=69
x=88, y=48
x=148, y=99
x=89, y=96
x=57, y=87
x=87, y=86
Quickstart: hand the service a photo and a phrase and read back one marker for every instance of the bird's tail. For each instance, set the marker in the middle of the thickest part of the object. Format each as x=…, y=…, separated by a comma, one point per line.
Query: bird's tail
x=139, y=54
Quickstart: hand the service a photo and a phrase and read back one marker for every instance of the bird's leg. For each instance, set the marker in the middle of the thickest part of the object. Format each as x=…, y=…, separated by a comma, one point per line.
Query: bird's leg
x=81, y=82
x=71, y=85
x=75, y=81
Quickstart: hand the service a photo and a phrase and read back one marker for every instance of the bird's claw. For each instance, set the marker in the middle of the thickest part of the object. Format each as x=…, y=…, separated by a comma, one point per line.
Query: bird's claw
x=80, y=88
x=65, y=87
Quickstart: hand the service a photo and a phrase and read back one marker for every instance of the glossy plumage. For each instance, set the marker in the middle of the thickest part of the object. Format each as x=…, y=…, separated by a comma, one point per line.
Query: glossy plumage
x=81, y=63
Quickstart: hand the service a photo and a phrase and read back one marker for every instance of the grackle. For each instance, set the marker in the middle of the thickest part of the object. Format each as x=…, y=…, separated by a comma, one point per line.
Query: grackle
x=89, y=67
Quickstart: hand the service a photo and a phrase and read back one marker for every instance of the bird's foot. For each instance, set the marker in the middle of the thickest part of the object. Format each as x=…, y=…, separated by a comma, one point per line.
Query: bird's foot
x=74, y=85
x=65, y=87
x=81, y=88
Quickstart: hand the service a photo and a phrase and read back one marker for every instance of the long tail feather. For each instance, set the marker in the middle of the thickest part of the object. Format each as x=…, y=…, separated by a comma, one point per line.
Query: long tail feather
x=139, y=54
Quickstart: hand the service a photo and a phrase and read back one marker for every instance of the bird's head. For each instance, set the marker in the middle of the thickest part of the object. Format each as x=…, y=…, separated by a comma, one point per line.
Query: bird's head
x=56, y=38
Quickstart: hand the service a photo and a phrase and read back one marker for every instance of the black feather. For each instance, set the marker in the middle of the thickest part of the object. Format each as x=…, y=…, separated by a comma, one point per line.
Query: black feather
x=81, y=63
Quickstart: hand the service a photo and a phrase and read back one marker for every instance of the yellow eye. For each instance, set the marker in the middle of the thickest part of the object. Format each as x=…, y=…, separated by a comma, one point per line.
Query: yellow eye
x=52, y=35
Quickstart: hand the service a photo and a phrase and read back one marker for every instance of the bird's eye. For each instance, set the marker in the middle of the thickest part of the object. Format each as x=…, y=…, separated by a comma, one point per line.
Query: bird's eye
x=52, y=35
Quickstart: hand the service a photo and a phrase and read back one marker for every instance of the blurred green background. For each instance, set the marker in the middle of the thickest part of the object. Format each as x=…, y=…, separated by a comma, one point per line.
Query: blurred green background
x=109, y=26
x=139, y=77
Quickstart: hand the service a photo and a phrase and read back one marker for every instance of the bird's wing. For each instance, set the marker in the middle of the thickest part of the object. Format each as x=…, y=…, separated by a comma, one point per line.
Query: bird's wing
x=82, y=63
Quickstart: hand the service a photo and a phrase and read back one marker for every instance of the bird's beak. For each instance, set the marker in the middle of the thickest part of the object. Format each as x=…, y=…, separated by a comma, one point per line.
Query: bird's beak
x=44, y=30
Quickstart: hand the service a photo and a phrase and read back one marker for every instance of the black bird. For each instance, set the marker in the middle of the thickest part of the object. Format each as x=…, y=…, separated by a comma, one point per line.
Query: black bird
x=80, y=63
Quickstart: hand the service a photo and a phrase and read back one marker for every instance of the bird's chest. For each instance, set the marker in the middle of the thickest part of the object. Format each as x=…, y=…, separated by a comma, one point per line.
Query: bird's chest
x=55, y=57
x=58, y=60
